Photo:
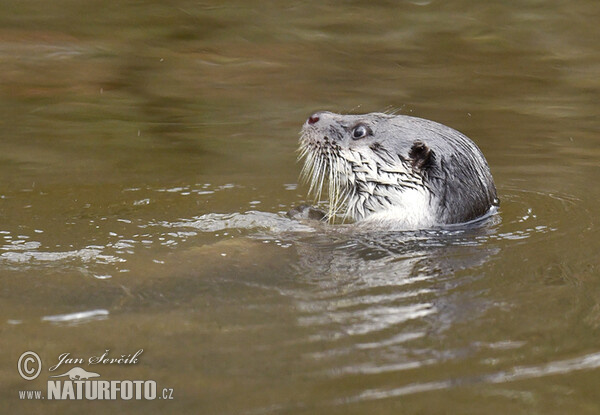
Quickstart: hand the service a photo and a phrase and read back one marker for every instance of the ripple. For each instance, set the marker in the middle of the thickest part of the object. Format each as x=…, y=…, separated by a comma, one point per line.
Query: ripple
x=85, y=255
x=251, y=220
x=198, y=189
x=372, y=369
x=78, y=317
x=538, y=210
x=369, y=320
x=586, y=362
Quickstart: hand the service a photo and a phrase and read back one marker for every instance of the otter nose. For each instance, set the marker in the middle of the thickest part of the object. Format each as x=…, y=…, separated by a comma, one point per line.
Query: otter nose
x=313, y=119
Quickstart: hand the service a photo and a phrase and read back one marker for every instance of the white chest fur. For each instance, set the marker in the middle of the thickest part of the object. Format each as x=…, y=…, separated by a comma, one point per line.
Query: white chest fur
x=409, y=209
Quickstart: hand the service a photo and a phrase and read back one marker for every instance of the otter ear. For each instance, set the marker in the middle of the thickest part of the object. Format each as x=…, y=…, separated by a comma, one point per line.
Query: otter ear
x=420, y=155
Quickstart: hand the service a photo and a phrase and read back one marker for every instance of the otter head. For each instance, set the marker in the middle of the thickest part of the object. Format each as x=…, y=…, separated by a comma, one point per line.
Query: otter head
x=369, y=166
x=402, y=171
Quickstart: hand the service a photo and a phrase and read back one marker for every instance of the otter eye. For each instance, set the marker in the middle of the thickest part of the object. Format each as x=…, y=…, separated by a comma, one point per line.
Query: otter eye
x=359, y=131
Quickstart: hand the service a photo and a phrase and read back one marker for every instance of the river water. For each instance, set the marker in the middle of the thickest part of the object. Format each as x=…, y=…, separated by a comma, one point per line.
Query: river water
x=147, y=157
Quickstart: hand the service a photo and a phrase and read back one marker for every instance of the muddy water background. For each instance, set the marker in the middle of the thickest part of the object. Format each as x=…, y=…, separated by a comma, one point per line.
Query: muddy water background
x=147, y=150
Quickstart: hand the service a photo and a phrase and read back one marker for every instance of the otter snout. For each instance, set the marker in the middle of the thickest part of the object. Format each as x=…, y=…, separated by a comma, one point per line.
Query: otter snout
x=320, y=119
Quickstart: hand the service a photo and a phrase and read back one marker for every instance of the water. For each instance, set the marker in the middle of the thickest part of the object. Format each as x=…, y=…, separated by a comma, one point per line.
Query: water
x=147, y=156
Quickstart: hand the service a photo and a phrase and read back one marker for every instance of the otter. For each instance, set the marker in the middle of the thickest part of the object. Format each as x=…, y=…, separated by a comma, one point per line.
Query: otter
x=395, y=171
x=78, y=373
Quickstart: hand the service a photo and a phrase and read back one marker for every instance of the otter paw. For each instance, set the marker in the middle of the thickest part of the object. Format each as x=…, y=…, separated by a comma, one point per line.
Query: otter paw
x=306, y=212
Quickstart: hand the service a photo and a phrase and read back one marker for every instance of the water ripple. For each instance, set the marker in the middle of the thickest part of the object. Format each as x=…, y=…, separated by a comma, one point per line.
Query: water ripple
x=586, y=362
x=78, y=317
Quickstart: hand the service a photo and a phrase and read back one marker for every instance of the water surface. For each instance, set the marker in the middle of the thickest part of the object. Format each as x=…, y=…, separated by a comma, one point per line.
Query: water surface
x=147, y=156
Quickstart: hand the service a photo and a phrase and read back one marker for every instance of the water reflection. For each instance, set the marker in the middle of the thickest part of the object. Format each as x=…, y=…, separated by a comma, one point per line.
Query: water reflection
x=590, y=361
x=77, y=318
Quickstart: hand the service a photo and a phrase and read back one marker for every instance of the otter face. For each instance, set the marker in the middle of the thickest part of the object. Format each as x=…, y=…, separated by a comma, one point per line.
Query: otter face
x=368, y=166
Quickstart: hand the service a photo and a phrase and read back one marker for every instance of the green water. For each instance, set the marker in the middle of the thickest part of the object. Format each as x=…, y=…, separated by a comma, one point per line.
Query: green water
x=148, y=151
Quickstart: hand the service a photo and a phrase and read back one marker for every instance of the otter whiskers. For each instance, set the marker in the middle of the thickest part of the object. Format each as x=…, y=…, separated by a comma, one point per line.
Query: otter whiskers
x=321, y=162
